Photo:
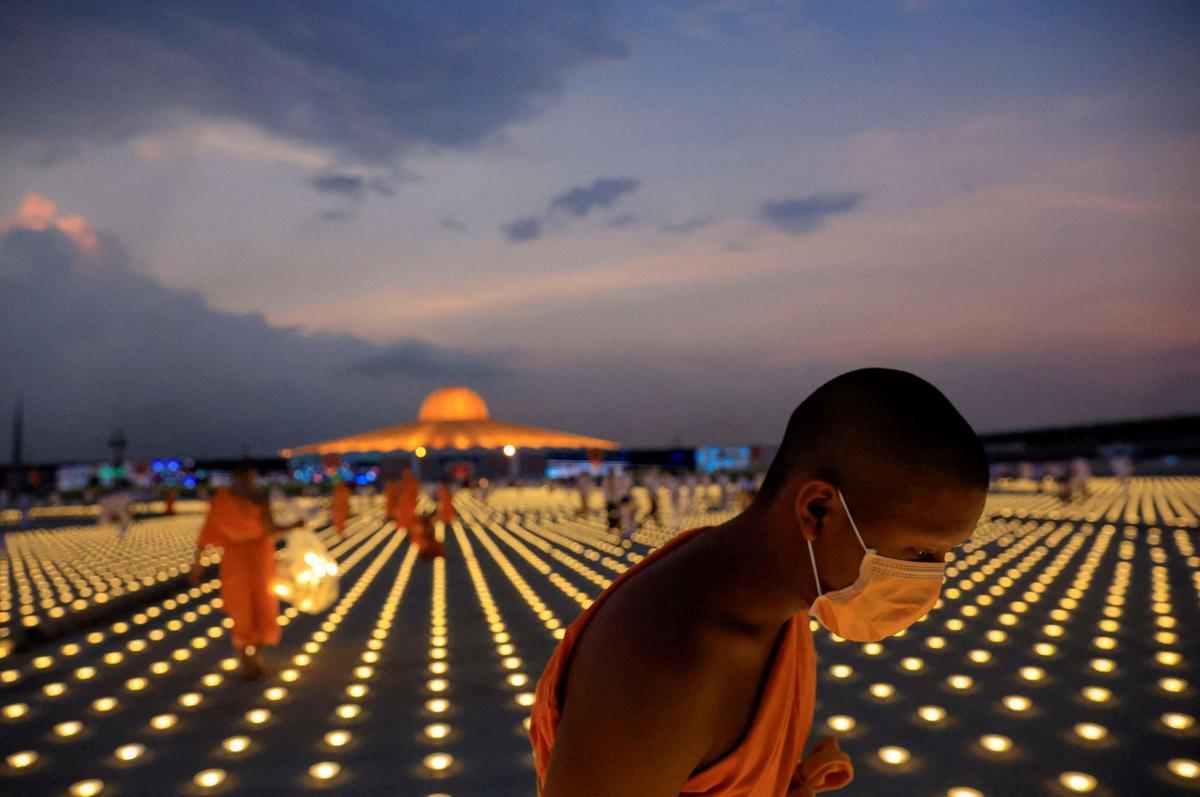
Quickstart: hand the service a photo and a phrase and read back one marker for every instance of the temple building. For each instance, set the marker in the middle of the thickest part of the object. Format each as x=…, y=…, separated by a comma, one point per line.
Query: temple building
x=454, y=434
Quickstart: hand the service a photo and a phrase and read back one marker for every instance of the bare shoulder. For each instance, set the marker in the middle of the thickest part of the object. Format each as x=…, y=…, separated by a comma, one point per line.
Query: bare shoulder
x=640, y=700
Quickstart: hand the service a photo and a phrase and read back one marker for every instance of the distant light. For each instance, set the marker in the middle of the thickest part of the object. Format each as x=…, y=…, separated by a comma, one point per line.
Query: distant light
x=209, y=778
x=996, y=743
x=23, y=759
x=841, y=723
x=510, y=450
x=87, y=788
x=337, y=738
x=883, y=691
x=931, y=713
x=1179, y=722
x=258, y=716
x=438, y=761
x=325, y=770
x=1097, y=694
x=437, y=730
x=236, y=744
x=420, y=452
x=129, y=752
x=1184, y=768
x=895, y=756
x=1090, y=731
x=1017, y=703
x=1077, y=781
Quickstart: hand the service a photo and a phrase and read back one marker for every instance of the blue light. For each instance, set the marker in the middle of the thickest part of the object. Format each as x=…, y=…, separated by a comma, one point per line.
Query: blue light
x=157, y=465
x=189, y=482
x=173, y=465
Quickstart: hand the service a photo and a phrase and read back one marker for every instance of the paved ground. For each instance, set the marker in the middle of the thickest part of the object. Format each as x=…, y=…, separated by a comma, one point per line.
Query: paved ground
x=1088, y=612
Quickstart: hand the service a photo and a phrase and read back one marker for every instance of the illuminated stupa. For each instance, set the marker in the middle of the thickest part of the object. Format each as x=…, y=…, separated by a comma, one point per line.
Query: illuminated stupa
x=452, y=418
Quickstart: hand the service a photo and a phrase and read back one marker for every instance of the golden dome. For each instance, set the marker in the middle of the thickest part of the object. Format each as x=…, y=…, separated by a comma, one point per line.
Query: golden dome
x=453, y=404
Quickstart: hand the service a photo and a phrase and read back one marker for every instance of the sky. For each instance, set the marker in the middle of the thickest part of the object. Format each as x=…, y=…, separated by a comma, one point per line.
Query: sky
x=238, y=226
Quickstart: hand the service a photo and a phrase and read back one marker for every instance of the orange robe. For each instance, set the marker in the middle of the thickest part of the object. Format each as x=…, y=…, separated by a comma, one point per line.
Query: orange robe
x=169, y=500
x=769, y=761
x=340, y=506
x=401, y=500
x=445, y=504
x=423, y=537
x=247, y=567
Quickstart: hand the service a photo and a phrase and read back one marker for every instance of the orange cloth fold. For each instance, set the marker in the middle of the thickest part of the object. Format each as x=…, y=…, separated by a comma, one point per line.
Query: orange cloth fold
x=238, y=525
x=825, y=768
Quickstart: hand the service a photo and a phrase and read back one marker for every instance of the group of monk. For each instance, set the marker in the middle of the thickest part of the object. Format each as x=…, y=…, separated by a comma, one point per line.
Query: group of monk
x=697, y=671
x=240, y=522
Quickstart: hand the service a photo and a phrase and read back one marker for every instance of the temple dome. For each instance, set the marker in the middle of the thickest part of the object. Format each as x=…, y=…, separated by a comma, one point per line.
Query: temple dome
x=453, y=404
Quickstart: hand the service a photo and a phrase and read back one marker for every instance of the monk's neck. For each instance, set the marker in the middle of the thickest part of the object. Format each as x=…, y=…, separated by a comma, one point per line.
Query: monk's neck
x=747, y=581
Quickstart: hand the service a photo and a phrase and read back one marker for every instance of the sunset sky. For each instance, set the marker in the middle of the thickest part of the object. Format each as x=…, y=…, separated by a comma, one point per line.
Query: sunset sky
x=232, y=225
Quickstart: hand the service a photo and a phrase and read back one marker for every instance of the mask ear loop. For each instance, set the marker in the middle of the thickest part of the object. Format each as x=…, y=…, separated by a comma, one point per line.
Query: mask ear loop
x=853, y=525
x=812, y=560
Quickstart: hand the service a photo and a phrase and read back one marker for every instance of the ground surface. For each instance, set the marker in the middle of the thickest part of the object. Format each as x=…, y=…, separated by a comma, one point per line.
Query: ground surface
x=1089, y=612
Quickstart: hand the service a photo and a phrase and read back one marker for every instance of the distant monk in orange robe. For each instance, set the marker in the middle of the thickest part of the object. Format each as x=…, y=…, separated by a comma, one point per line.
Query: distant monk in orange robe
x=696, y=674
x=401, y=500
x=425, y=538
x=169, y=499
x=446, y=512
x=339, y=509
x=239, y=521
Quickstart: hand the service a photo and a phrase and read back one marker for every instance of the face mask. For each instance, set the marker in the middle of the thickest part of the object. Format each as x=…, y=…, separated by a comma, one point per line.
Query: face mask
x=889, y=594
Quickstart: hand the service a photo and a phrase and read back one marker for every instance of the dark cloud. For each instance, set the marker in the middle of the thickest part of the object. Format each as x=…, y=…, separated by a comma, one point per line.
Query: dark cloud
x=336, y=215
x=574, y=203
x=347, y=185
x=92, y=344
x=420, y=358
x=687, y=225
x=368, y=79
x=451, y=223
x=525, y=229
x=624, y=220
x=805, y=214
x=602, y=193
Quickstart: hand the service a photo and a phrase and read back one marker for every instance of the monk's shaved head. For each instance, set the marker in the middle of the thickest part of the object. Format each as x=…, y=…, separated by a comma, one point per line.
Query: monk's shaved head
x=885, y=437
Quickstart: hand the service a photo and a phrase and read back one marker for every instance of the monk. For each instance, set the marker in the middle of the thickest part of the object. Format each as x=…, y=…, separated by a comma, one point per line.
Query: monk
x=400, y=499
x=446, y=512
x=339, y=505
x=239, y=520
x=425, y=538
x=695, y=673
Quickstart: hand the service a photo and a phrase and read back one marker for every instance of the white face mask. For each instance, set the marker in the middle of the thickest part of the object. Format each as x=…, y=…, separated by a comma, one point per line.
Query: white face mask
x=888, y=595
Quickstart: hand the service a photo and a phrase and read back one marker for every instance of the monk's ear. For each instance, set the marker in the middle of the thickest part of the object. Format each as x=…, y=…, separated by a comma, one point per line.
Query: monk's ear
x=810, y=507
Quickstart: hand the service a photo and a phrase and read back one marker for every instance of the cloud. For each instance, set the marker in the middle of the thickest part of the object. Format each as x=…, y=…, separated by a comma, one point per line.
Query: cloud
x=347, y=185
x=420, y=358
x=602, y=193
x=624, y=220
x=687, y=225
x=805, y=214
x=336, y=215
x=521, y=230
x=575, y=202
x=92, y=344
x=364, y=79
x=451, y=223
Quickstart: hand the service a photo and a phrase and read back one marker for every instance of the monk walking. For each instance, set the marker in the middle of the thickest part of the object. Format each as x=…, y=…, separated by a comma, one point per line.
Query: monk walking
x=239, y=521
x=400, y=499
x=695, y=673
x=339, y=505
x=445, y=496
